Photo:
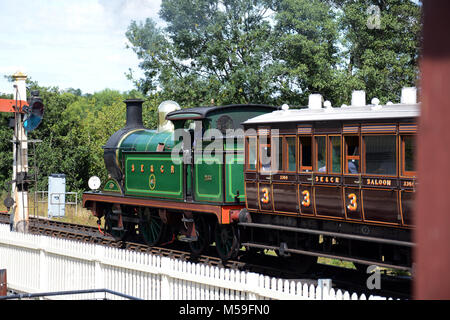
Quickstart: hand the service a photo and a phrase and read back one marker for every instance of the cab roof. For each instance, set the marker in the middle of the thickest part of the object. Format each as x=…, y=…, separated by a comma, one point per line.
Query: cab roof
x=199, y=113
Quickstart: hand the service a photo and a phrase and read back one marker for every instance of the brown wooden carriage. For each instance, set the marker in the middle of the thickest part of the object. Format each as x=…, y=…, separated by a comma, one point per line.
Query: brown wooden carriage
x=335, y=182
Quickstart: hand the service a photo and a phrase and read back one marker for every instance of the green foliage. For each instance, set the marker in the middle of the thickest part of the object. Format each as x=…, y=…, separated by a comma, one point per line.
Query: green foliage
x=279, y=51
x=382, y=58
x=210, y=50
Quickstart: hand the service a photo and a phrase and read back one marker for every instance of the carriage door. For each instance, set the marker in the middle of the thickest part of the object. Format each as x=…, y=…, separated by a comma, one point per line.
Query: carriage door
x=379, y=179
x=265, y=197
x=305, y=170
x=408, y=172
x=352, y=173
x=284, y=178
x=328, y=175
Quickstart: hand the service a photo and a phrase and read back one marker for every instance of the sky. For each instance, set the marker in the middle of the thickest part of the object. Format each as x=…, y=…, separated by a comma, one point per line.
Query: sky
x=78, y=44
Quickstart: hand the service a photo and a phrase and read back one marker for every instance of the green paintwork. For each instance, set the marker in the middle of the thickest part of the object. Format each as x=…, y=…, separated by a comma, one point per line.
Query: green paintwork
x=112, y=185
x=207, y=180
x=161, y=183
x=143, y=140
x=234, y=177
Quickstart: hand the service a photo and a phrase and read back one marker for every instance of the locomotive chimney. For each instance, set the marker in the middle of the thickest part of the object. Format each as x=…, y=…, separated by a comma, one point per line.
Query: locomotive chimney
x=134, y=113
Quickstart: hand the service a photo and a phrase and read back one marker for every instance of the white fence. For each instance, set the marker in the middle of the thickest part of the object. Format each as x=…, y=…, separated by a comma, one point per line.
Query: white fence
x=37, y=263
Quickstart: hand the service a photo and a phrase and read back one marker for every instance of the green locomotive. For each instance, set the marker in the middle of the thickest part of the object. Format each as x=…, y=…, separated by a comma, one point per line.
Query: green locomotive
x=184, y=180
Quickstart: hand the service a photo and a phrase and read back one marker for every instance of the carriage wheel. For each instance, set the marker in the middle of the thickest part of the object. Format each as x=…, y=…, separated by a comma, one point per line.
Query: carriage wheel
x=227, y=241
x=202, y=229
x=151, y=227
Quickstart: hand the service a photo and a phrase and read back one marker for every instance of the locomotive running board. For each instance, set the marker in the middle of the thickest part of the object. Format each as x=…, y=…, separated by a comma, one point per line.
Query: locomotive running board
x=221, y=211
x=328, y=233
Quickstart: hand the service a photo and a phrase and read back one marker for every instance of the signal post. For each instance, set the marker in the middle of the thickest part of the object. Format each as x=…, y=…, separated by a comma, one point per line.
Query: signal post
x=27, y=116
x=19, y=188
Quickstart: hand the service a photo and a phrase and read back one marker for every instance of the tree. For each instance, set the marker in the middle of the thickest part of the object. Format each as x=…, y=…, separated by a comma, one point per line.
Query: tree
x=279, y=51
x=306, y=53
x=210, y=49
x=382, y=43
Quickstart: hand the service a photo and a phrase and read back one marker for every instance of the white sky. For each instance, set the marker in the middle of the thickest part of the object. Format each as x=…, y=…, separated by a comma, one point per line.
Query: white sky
x=70, y=43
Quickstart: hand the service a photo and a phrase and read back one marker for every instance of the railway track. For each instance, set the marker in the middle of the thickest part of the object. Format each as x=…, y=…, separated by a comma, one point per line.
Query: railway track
x=343, y=278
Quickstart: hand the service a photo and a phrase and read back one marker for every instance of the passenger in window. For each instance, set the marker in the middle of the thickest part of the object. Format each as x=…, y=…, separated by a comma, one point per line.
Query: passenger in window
x=352, y=167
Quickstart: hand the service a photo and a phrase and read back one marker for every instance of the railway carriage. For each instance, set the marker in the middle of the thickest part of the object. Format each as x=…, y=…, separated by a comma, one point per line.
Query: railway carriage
x=333, y=182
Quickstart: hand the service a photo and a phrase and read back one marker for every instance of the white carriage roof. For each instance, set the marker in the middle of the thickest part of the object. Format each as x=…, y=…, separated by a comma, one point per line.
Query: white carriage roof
x=368, y=112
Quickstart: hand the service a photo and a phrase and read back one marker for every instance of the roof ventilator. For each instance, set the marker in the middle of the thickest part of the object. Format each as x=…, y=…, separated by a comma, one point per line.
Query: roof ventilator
x=315, y=101
x=358, y=98
x=409, y=95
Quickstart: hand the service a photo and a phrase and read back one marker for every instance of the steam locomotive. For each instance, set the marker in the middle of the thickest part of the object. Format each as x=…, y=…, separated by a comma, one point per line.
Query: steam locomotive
x=318, y=181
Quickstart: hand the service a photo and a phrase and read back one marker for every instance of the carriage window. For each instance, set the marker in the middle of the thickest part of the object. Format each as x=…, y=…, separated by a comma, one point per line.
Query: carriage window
x=352, y=156
x=408, y=149
x=380, y=154
x=335, y=144
x=251, y=163
x=321, y=154
x=277, y=151
x=290, y=148
x=264, y=157
x=305, y=148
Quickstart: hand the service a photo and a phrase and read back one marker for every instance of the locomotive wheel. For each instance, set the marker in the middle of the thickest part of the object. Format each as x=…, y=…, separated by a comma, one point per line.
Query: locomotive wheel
x=202, y=229
x=151, y=227
x=116, y=228
x=227, y=241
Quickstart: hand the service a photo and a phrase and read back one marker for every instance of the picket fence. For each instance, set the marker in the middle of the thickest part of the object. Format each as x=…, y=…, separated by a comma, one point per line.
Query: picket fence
x=37, y=263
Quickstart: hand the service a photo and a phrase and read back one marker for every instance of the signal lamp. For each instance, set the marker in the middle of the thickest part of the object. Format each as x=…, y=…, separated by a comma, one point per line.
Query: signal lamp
x=33, y=112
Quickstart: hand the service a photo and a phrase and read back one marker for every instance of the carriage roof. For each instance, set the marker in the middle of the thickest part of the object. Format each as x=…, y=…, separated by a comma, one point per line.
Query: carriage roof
x=345, y=113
